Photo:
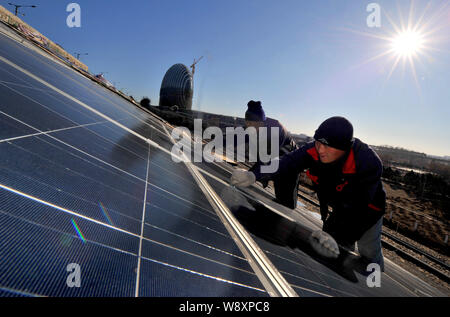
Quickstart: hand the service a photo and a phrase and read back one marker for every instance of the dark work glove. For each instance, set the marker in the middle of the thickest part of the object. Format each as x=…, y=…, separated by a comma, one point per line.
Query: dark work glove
x=339, y=230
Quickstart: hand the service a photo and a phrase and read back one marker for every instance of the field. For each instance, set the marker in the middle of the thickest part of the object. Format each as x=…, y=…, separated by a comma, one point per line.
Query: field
x=416, y=218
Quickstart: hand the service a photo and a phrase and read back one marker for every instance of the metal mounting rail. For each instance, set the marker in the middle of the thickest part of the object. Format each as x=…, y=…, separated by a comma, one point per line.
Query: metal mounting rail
x=270, y=277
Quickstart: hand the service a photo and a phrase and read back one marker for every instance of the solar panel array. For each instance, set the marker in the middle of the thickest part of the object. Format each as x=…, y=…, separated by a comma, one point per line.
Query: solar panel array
x=77, y=189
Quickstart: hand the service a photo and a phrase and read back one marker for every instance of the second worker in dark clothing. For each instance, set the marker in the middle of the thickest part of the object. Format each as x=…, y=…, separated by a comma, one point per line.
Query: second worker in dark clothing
x=286, y=187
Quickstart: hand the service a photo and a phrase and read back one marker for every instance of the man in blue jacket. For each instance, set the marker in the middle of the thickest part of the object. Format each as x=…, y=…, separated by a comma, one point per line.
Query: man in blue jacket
x=346, y=174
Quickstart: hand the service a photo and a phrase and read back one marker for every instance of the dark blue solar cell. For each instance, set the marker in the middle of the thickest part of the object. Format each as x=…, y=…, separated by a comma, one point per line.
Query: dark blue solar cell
x=11, y=128
x=186, y=260
x=35, y=260
x=202, y=247
x=163, y=280
x=27, y=111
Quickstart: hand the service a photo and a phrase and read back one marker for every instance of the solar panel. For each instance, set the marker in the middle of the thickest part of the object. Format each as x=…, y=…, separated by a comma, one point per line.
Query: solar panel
x=73, y=187
x=87, y=181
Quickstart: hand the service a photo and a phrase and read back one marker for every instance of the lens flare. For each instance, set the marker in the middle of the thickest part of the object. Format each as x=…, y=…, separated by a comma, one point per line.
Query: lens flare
x=105, y=213
x=407, y=43
x=80, y=235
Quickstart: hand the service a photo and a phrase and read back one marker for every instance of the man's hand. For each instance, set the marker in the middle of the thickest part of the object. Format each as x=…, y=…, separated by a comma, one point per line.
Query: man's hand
x=324, y=244
x=242, y=178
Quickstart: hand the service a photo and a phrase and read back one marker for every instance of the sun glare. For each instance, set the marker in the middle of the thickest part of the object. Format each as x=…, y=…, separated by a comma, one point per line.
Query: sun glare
x=407, y=43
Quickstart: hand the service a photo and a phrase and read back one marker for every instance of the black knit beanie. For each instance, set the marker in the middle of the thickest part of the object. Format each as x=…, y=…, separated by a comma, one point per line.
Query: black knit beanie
x=255, y=111
x=336, y=132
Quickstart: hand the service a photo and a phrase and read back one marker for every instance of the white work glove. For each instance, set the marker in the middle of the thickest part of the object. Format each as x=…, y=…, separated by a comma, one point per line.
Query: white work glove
x=242, y=178
x=324, y=244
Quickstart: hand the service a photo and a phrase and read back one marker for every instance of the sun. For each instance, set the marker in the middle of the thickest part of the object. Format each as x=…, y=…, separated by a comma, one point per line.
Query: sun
x=408, y=43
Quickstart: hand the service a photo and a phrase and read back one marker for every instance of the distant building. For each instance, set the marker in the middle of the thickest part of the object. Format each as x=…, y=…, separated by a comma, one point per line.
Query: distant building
x=301, y=139
x=177, y=88
x=103, y=80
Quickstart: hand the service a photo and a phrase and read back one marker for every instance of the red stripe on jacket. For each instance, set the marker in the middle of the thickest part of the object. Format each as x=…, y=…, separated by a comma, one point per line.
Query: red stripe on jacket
x=349, y=165
x=313, y=152
x=314, y=178
x=374, y=207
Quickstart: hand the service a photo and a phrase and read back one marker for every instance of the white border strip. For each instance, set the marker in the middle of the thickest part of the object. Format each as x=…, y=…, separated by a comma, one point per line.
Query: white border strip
x=136, y=293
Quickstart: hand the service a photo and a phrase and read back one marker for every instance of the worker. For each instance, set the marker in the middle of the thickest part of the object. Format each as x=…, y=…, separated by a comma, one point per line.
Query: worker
x=286, y=188
x=346, y=174
x=145, y=102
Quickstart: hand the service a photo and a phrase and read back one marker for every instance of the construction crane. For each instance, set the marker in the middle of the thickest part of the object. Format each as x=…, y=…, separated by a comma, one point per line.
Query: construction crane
x=17, y=6
x=193, y=65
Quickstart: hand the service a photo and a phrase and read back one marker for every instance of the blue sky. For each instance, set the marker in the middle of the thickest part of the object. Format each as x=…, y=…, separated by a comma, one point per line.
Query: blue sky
x=305, y=60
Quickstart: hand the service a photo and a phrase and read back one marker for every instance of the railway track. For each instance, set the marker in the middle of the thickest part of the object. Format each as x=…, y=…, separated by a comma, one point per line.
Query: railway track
x=406, y=255
x=417, y=250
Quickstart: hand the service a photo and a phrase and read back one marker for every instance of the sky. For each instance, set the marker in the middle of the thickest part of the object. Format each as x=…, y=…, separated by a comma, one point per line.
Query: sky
x=305, y=61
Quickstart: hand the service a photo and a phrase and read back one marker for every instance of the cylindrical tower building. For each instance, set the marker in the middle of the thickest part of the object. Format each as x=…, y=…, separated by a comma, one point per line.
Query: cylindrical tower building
x=177, y=88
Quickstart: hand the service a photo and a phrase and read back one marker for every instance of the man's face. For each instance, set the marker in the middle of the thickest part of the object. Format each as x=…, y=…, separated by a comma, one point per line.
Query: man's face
x=328, y=154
